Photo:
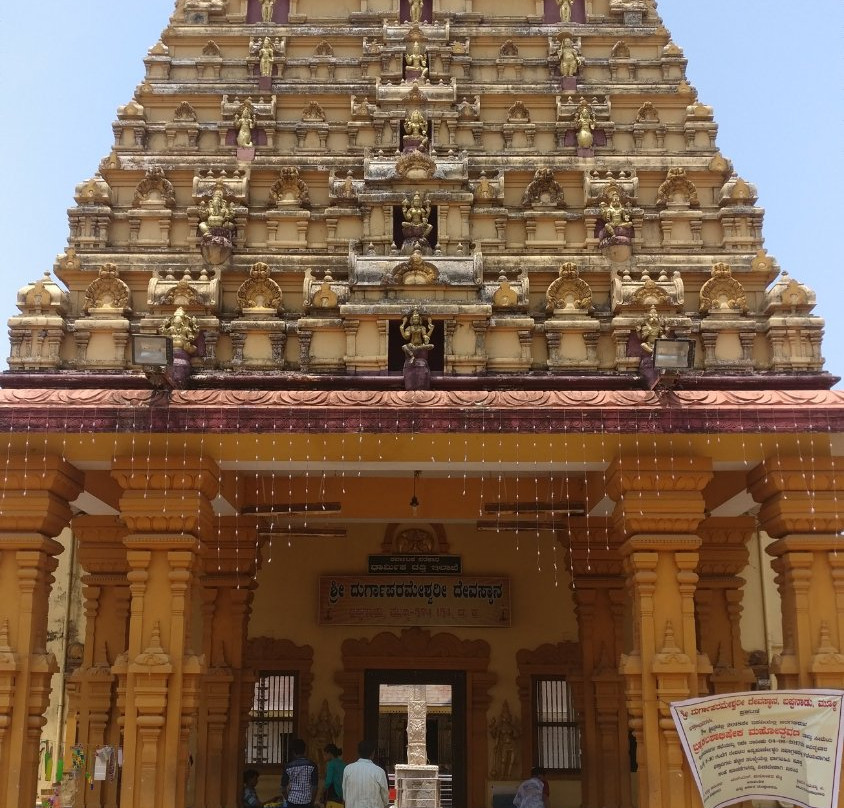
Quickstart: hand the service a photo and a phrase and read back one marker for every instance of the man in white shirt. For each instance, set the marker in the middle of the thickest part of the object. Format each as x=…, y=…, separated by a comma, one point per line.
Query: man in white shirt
x=365, y=783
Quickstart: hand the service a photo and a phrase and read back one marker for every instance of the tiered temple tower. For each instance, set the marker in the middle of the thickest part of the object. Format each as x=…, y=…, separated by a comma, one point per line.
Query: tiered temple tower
x=394, y=244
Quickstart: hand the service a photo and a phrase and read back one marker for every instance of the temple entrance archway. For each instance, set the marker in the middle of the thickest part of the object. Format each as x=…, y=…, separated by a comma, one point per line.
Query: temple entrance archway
x=386, y=698
x=434, y=658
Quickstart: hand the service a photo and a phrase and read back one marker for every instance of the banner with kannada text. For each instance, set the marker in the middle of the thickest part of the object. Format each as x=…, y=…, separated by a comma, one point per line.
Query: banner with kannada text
x=764, y=745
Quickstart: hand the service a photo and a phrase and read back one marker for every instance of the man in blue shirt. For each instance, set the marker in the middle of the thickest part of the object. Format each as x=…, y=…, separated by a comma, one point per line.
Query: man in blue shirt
x=300, y=779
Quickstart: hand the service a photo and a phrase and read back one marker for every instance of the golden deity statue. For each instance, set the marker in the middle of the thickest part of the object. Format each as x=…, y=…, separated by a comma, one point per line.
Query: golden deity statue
x=416, y=213
x=416, y=11
x=266, y=57
x=417, y=334
x=267, y=9
x=244, y=120
x=215, y=213
x=570, y=58
x=616, y=217
x=584, y=121
x=650, y=330
x=565, y=10
x=182, y=330
x=416, y=128
x=417, y=62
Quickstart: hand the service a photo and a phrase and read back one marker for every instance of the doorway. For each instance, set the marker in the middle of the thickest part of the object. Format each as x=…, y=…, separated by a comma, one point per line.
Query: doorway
x=385, y=722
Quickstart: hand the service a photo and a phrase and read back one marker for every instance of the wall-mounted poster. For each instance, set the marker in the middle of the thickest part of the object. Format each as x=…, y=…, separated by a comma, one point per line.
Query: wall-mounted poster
x=764, y=745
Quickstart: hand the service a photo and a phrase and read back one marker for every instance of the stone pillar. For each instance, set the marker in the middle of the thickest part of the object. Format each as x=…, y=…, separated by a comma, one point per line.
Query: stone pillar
x=34, y=508
x=228, y=588
x=723, y=556
x=659, y=505
x=600, y=601
x=166, y=506
x=91, y=688
x=417, y=783
x=802, y=503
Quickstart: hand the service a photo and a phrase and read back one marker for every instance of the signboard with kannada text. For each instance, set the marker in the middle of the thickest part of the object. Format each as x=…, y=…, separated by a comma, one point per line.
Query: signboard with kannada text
x=414, y=565
x=379, y=600
x=764, y=745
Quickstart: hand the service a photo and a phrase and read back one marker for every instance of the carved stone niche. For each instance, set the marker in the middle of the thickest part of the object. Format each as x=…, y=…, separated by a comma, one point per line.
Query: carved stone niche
x=259, y=335
x=577, y=116
x=680, y=220
x=36, y=334
x=699, y=127
x=518, y=132
x=288, y=215
x=650, y=296
x=727, y=333
x=648, y=130
x=323, y=57
x=235, y=186
x=102, y=333
x=507, y=294
x=509, y=63
x=90, y=221
x=199, y=12
x=130, y=128
x=622, y=66
x=264, y=112
x=209, y=64
x=543, y=203
x=325, y=294
x=673, y=63
x=741, y=220
x=570, y=331
x=794, y=333
x=158, y=61
x=312, y=129
x=182, y=132
x=151, y=214
x=632, y=12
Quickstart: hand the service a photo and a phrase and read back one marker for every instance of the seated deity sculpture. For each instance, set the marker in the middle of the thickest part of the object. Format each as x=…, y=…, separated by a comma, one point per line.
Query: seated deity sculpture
x=417, y=63
x=416, y=225
x=418, y=336
x=650, y=330
x=216, y=215
x=616, y=226
x=416, y=131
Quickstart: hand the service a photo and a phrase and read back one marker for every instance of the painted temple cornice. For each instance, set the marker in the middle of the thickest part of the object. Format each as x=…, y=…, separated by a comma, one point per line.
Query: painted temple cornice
x=612, y=411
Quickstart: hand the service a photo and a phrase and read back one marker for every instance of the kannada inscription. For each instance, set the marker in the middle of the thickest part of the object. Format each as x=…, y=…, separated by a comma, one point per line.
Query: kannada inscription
x=378, y=600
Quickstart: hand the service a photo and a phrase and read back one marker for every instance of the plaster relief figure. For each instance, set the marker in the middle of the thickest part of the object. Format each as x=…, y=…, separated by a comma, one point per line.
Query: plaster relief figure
x=565, y=10
x=216, y=214
x=416, y=213
x=617, y=223
x=417, y=334
x=650, y=330
x=416, y=11
x=244, y=120
x=266, y=57
x=570, y=58
x=267, y=10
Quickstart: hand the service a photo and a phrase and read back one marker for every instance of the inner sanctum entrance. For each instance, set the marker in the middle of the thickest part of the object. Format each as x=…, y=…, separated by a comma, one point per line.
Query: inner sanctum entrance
x=386, y=700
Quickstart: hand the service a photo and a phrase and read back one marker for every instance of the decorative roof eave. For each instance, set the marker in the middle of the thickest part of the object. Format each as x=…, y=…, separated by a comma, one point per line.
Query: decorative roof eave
x=327, y=411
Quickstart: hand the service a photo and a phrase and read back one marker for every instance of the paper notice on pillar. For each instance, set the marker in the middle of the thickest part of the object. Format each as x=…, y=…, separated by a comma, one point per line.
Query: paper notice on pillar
x=764, y=745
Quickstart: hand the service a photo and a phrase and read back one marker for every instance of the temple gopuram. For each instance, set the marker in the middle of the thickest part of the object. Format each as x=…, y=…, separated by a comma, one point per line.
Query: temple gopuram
x=409, y=358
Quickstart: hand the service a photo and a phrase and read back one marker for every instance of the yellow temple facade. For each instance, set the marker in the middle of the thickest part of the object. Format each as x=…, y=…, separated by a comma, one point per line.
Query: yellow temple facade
x=422, y=271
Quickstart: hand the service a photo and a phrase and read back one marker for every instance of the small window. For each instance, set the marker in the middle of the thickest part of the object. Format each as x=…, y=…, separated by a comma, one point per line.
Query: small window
x=272, y=719
x=556, y=732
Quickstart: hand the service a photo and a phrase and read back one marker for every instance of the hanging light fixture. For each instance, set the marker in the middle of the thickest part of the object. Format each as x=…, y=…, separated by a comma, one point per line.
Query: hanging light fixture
x=414, y=500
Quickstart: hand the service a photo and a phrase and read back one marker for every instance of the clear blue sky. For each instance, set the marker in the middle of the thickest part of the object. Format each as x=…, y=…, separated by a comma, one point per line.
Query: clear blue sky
x=771, y=68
